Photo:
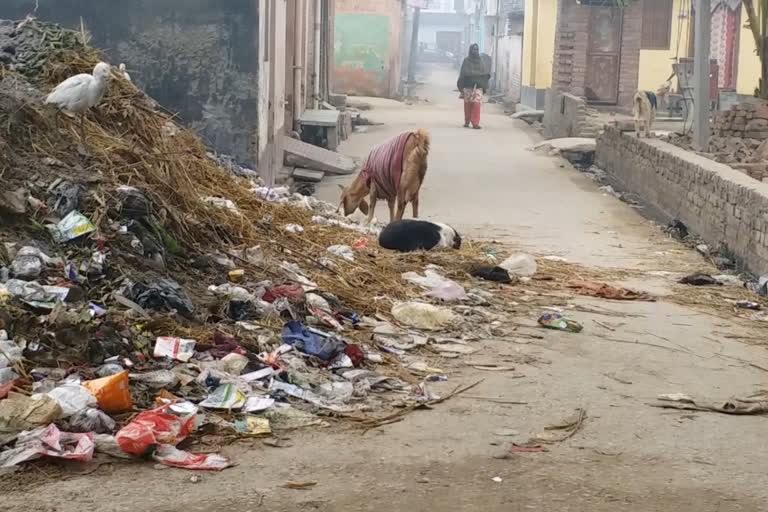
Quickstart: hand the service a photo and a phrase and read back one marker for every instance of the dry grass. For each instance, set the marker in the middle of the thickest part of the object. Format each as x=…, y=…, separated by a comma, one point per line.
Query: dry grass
x=130, y=144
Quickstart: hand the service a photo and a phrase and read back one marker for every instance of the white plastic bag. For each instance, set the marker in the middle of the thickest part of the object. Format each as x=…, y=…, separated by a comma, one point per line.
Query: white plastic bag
x=72, y=398
x=425, y=316
x=521, y=265
x=439, y=286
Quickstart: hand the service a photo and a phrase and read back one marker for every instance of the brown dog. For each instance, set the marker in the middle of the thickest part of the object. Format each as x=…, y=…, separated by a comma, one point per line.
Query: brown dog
x=644, y=108
x=393, y=170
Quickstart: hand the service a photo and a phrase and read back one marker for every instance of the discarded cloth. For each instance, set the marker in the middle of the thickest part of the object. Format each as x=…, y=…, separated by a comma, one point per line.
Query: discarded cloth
x=594, y=289
x=384, y=165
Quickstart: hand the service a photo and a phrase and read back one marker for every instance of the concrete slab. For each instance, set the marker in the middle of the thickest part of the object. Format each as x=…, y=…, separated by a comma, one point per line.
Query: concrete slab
x=568, y=144
x=536, y=115
x=310, y=175
x=301, y=154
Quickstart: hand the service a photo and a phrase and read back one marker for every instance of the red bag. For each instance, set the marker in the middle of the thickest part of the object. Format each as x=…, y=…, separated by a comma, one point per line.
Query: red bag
x=168, y=424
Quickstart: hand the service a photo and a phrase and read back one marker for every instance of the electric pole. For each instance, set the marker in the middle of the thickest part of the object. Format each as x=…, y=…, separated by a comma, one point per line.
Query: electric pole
x=701, y=102
x=414, y=46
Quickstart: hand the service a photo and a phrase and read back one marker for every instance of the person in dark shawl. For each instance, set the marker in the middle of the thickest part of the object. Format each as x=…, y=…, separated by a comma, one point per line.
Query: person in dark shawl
x=472, y=83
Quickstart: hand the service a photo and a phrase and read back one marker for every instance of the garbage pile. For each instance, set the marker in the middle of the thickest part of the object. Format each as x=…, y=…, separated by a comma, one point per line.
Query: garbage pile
x=150, y=291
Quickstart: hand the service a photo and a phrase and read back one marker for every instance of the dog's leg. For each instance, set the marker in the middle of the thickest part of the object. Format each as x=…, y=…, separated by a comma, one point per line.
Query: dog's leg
x=391, y=204
x=401, y=202
x=372, y=207
x=415, y=206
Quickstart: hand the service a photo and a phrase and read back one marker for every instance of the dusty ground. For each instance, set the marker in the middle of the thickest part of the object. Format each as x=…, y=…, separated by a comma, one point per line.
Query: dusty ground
x=628, y=456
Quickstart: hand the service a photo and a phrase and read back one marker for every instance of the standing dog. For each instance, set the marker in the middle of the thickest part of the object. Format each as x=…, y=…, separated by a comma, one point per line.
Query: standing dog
x=644, y=108
x=393, y=170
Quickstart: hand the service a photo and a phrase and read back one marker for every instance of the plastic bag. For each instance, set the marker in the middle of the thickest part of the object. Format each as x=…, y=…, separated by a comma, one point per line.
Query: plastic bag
x=26, y=267
x=90, y=420
x=325, y=348
x=233, y=363
x=342, y=251
x=168, y=424
x=165, y=293
x=520, y=265
x=10, y=352
x=21, y=412
x=72, y=398
x=559, y=322
x=72, y=226
x=439, y=286
x=50, y=442
x=425, y=316
x=157, y=379
x=225, y=396
x=112, y=392
x=172, y=456
x=180, y=349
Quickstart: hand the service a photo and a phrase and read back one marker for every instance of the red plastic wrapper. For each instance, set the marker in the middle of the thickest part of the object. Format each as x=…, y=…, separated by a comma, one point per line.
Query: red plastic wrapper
x=292, y=291
x=172, y=456
x=355, y=353
x=168, y=424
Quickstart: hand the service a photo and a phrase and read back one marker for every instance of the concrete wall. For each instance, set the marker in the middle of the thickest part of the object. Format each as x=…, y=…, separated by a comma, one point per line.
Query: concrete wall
x=539, y=42
x=716, y=202
x=367, y=56
x=749, y=63
x=565, y=115
x=196, y=57
x=509, y=66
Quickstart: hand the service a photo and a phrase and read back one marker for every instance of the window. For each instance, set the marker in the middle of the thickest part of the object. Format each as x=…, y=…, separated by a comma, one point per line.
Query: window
x=657, y=25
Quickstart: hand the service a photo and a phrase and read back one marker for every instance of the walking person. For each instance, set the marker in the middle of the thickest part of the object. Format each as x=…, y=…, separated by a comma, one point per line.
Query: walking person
x=472, y=83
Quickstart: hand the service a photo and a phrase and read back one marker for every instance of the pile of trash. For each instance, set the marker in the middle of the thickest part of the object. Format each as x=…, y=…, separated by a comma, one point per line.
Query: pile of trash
x=150, y=290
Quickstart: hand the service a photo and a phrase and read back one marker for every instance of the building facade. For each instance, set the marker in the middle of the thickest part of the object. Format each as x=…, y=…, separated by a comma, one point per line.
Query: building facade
x=239, y=73
x=367, y=47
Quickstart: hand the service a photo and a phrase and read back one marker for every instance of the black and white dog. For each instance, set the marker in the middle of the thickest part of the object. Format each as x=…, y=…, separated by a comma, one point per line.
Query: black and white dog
x=418, y=235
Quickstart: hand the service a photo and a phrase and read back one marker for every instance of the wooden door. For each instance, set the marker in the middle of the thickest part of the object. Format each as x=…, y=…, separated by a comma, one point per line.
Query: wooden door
x=601, y=83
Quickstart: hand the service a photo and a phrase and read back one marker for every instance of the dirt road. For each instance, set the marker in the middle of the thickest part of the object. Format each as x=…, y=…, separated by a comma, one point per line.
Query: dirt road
x=627, y=456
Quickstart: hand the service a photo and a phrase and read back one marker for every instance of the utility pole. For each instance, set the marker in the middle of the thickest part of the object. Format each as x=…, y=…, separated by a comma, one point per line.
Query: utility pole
x=701, y=100
x=414, y=46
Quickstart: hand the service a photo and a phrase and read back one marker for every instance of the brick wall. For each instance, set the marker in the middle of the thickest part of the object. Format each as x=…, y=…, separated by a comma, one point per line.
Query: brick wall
x=630, y=52
x=745, y=120
x=571, y=39
x=723, y=206
x=569, y=66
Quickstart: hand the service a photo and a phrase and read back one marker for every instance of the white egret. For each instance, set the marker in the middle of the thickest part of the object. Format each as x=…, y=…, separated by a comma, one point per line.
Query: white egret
x=78, y=93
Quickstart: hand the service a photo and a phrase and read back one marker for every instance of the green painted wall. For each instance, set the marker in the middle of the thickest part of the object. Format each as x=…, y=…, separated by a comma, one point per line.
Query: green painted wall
x=361, y=54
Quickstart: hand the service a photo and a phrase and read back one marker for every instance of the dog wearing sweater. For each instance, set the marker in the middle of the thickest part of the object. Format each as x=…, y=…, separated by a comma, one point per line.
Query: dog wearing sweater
x=645, y=106
x=393, y=170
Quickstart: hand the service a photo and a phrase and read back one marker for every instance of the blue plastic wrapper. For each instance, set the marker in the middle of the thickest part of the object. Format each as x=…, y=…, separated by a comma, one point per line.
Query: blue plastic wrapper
x=322, y=347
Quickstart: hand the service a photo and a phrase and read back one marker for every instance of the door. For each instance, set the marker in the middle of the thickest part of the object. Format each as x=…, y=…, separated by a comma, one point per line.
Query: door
x=601, y=84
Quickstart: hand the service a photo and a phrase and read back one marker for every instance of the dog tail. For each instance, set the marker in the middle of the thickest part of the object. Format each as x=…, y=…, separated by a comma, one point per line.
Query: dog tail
x=423, y=141
x=638, y=105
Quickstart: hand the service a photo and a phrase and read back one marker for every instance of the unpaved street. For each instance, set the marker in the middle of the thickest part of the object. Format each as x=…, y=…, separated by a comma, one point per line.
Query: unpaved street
x=627, y=455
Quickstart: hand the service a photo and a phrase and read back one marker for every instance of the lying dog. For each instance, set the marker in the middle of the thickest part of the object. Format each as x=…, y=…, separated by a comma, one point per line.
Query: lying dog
x=645, y=106
x=418, y=235
x=393, y=170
